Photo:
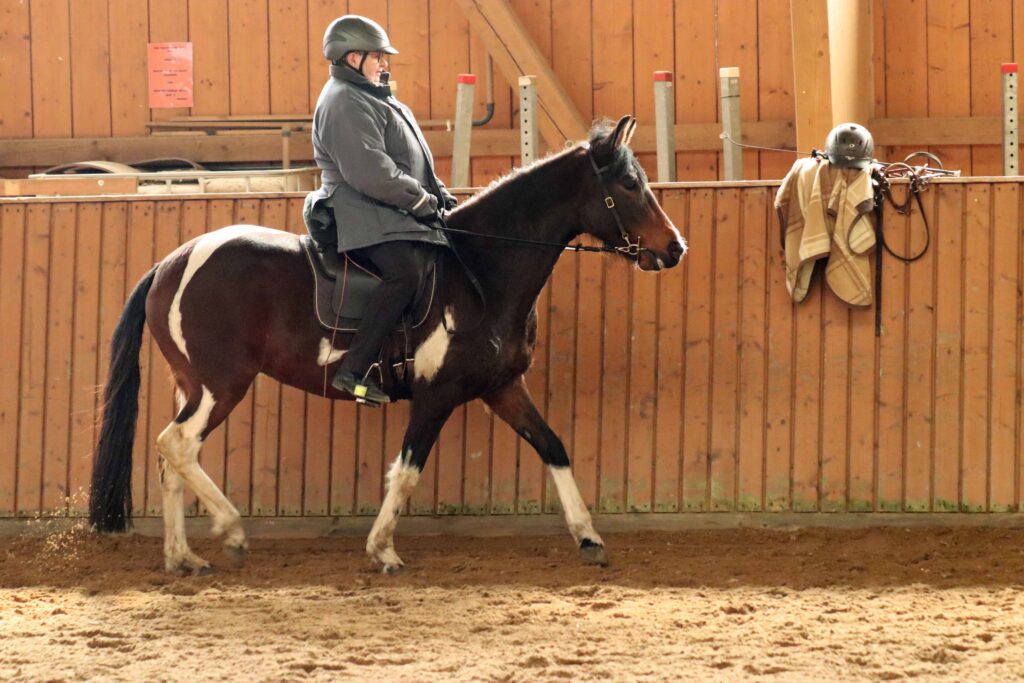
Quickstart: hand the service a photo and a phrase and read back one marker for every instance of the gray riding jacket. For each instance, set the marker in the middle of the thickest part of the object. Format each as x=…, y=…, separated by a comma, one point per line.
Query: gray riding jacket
x=375, y=164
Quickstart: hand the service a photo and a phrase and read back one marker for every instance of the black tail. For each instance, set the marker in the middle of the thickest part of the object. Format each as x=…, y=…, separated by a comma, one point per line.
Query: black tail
x=110, y=501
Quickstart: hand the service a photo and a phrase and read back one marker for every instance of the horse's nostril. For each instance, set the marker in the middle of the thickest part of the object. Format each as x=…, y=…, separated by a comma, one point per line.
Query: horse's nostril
x=675, y=250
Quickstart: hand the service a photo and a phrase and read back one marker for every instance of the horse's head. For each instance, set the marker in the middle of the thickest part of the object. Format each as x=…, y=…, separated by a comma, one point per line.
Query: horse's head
x=618, y=206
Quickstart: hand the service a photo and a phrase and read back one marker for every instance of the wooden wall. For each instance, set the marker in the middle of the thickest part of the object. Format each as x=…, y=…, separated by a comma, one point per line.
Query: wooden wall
x=76, y=68
x=698, y=389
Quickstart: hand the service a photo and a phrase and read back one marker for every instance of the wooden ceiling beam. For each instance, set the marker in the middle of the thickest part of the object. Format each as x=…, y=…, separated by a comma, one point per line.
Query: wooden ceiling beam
x=498, y=27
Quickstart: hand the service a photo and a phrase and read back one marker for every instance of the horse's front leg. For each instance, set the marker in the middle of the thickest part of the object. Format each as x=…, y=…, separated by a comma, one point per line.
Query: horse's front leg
x=425, y=422
x=514, y=405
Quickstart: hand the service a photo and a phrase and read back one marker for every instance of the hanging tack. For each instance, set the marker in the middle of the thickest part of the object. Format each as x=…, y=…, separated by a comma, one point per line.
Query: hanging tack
x=1011, y=144
x=665, y=122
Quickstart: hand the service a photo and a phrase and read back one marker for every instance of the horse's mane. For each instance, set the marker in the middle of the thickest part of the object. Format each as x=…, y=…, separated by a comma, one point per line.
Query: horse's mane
x=600, y=130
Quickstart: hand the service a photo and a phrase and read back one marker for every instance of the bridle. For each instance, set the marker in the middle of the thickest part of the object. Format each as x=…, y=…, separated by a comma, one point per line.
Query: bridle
x=632, y=249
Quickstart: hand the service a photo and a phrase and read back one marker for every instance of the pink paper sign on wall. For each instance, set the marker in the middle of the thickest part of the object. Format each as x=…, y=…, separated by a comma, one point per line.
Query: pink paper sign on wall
x=170, y=75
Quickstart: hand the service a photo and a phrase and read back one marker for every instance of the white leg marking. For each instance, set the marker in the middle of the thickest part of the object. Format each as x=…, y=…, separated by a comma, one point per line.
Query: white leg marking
x=201, y=252
x=577, y=517
x=328, y=354
x=430, y=354
x=380, y=545
x=179, y=444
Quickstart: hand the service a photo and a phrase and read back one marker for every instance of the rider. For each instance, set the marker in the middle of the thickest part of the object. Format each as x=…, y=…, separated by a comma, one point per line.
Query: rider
x=379, y=173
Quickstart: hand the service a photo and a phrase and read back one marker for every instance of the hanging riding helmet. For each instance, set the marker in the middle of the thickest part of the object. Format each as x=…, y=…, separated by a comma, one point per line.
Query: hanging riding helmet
x=353, y=33
x=850, y=145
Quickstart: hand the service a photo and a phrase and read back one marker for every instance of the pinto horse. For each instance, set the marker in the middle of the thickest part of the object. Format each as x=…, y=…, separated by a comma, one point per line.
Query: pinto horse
x=236, y=302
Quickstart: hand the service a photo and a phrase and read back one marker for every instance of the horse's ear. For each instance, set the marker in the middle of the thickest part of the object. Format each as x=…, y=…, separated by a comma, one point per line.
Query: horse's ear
x=623, y=131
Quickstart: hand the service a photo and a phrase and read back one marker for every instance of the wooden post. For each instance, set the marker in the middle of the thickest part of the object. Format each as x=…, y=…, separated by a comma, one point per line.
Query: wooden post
x=811, y=72
x=286, y=151
x=528, y=135
x=729, y=78
x=1011, y=144
x=850, y=47
x=665, y=126
x=463, y=130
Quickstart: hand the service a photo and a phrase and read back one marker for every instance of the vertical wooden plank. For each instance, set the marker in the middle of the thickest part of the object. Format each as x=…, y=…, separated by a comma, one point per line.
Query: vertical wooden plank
x=949, y=71
x=15, y=69
x=12, y=277
x=891, y=373
x=669, y=366
x=775, y=78
x=906, y=75
x=370, y=472
x=613, y=67
x=319, y=14
x=266, y=417
x=697, y=371
x=240, y=465
x=140, y=252
x=562, y=356
x=289, y=50
x=738, y=46
x=57, y=406
x=653, y=50
x=51, y=69
x=991, y=44
x=194, y=220
x=977, y=318
x=835, y=326
x=779, y=397
x=168, y=22
x=725, y=330
x=129, y=88
x=1004, y=345
x=920, y=363
x=807, y=397
x=294, y=420
x=696, y=79
x=113, y=261
x=33, y=359
x=344, y=457
x=317, y=474
x=162, y=389
x=208, y=31
x=949, y=339
x=863, y=393
x=90, y=68
x=755, y=232
x=476, y=485
x=85, y=353
x=248, y=57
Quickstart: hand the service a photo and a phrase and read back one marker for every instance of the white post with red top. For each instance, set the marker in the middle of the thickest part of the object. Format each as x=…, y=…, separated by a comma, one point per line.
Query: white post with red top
x=1011, y=144
x=729, y=79
x=665, y=126
x=463, y=129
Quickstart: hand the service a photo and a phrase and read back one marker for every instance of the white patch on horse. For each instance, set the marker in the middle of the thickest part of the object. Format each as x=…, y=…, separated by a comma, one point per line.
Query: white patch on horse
x=201, y=252
x=380, y=545
x=430, y=354
x=328, y=354
x=577, y=517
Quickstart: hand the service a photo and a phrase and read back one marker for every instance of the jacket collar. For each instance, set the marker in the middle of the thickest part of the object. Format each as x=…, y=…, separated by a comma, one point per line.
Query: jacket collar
x=344, y=73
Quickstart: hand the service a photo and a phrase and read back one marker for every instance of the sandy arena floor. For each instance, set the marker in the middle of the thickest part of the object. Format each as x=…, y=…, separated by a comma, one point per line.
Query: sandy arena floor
x=864, y=604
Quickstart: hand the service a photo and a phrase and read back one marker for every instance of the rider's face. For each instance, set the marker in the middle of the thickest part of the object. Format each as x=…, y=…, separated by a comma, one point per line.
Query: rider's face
x=376, y=63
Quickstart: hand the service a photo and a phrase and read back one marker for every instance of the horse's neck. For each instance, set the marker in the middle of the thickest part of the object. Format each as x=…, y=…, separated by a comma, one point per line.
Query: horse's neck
x=511, y=274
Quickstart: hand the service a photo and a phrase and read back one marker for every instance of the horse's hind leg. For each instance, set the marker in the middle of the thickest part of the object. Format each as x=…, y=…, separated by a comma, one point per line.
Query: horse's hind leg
x=178, y=446
x=514, y=405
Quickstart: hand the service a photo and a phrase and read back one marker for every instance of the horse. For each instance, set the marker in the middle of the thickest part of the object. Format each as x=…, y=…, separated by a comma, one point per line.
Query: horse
x=236, y=302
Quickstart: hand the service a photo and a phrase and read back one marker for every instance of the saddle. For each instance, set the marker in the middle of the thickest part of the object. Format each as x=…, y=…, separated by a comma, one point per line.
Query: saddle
x=343, y=285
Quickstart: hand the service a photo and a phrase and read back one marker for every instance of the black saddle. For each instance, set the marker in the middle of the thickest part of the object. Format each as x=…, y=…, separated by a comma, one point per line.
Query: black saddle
x=344, y=284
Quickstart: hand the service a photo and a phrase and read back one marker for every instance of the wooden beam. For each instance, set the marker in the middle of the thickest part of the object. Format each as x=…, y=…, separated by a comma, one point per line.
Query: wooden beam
x=489, y=142
x=67, y=186
x=496, y=24
x=850, y=51
x=811, y=72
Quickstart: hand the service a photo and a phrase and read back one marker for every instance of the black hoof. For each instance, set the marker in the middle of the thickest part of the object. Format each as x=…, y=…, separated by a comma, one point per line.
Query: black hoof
x=593, y=553
x=205, y=570
x=236, y=554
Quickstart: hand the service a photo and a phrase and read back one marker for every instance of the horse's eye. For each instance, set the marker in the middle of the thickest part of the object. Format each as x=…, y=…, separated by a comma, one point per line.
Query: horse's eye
x=629, y=182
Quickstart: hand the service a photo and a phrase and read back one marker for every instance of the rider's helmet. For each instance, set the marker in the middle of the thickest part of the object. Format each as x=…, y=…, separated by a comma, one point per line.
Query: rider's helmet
x=353, y=33
x=850, y=145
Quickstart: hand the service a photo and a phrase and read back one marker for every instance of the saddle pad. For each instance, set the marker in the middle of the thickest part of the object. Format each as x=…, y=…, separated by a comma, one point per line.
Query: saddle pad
x=342, y=289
